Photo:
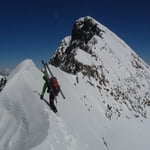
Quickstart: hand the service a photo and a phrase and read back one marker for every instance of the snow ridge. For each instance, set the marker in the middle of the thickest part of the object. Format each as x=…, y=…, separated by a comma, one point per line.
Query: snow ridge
x=17, y=106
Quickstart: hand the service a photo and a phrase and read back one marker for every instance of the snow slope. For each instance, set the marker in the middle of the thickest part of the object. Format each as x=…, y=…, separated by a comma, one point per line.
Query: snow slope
x=28, y=123
x=24, y=122
x=83, y=124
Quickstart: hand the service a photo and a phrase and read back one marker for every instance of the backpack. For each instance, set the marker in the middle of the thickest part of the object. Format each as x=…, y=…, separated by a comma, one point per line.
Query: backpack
x=54, y=85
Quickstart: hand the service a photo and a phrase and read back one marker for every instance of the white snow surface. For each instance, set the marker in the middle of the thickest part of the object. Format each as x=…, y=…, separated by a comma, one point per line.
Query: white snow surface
x=27, y=123
x=22, y=116
x=89, y=118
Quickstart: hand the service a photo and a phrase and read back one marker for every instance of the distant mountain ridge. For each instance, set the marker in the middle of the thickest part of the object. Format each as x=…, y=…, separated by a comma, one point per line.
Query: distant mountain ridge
x=1, y=76
x=5, y=72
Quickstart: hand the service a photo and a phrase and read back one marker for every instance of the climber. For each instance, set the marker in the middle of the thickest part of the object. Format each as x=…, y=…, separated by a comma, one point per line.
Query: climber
x=53, y=89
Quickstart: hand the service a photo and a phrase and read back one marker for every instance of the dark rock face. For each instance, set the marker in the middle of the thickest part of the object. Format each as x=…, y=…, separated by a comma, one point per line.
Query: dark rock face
x=83, y=30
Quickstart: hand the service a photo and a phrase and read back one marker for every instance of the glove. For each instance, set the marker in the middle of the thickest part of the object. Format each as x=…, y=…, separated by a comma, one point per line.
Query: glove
x=41, y=97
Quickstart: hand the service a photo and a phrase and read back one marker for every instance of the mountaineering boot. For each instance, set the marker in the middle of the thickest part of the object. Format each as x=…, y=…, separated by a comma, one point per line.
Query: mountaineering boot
x=52, y=106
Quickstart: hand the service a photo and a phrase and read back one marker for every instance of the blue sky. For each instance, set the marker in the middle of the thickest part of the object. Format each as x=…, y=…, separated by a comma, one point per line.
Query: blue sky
x=34, y=28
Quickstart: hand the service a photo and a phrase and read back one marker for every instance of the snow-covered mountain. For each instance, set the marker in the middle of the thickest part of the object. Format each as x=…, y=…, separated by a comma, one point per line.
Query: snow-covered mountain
x=106, y=86
x=108, y=64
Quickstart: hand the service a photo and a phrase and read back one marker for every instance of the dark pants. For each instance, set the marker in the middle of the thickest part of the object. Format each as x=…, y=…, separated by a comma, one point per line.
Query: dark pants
x=51, y=102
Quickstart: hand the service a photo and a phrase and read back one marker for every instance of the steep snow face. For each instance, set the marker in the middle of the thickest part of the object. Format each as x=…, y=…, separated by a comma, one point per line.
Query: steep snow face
x=84, y=124
x=24, y=123
x=111, y=66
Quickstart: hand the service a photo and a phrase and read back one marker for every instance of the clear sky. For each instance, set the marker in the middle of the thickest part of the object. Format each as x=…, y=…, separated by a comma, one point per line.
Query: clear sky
x=34, y=28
